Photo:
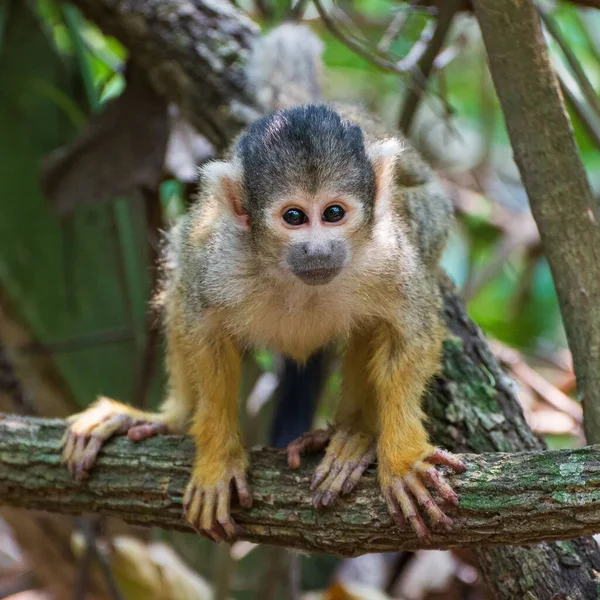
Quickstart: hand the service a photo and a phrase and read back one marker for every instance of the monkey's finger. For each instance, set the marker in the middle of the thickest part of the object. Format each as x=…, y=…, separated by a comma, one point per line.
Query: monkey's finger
x=354, y=477
x=76, y=458
x=188, y=496
x=224, y=512
x=243, y=491
x=329, y=460
x=67, y=444
x=442, y=457
x=393, y=507
x=424, y=498
x=437, y=481
x=351, y=462
x=311, y=441
x=409, y=511
x=68, y=452
x=86, y=458
x=208, y=519
x=114, y=425
x=137, y=433
x=208, y=509
x=193, y=505
x=324, y=486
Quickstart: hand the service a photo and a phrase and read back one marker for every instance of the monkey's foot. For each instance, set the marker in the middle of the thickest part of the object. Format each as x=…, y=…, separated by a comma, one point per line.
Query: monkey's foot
x=89, y=430
x=208, y=507
x=400, y=491
x=347, y=457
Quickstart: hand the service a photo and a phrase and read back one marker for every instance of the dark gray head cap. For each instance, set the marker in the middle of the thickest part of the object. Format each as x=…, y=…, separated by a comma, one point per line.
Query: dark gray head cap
x=305, y=148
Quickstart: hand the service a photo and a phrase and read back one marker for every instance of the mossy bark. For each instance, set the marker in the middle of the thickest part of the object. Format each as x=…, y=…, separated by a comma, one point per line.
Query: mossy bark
x=505, y=498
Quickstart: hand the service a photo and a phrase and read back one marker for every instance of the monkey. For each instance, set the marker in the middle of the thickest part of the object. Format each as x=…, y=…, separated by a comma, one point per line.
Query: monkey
x=320, y=225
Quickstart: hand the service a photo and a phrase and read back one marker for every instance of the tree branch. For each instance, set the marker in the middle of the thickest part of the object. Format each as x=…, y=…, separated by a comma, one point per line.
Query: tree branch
x=203, y=74
x=447, y=12
x=504, y=498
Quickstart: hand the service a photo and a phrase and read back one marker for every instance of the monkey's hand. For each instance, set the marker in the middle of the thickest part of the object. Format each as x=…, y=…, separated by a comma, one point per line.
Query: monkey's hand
x=347, y=457
x=207, y=500
x=89, y=430
x=399, y=491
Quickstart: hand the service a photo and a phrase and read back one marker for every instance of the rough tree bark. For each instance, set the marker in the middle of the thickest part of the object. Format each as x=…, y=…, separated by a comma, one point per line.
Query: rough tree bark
x=516, y=498
x=195, y=54
x=559, y=193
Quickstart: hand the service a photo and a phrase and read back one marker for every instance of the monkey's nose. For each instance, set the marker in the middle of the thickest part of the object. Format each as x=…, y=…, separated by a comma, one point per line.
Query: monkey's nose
x=316, y=254
x=316, y=264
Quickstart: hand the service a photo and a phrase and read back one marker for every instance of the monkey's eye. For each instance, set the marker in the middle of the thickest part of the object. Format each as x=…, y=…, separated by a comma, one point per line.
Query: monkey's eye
x=295, y=217
x=333, y=213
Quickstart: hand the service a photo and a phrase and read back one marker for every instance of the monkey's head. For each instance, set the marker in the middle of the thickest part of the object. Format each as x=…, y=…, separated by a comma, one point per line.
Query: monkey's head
x=304, y=186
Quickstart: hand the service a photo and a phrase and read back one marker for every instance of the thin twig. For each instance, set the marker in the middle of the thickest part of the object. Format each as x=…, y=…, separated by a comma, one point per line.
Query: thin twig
x=587, y=3
x=391, y=33
x=297, y=11
x=89, y=528
x=539, y=384
x=262, y=8
x=417, y=83
x=589, y=122
x=587, y=88
x=382, y=63
x=109, y=577
x=446, y=16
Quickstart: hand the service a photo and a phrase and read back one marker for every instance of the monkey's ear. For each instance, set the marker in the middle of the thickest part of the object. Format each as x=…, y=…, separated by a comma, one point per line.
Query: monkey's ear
x=383, y=155
x=224, y=179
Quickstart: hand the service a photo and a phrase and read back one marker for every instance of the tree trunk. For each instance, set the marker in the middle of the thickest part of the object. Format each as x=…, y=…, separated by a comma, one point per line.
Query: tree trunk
x=560, y=195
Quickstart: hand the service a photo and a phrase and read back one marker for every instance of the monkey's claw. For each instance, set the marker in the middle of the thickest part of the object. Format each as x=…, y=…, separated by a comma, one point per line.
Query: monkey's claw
x=89, y=430
x=400, y=493
x=208, y=507
x=347, y=457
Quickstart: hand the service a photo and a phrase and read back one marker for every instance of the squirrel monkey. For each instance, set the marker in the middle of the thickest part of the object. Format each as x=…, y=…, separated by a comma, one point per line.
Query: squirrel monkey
x=320, y=225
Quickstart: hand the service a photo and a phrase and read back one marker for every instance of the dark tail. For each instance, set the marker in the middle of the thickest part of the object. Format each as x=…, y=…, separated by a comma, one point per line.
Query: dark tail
x=297, y=397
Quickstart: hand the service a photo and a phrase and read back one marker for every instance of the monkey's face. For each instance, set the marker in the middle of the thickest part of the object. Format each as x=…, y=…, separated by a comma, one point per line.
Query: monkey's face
x=306, y=189
x=316, y=234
